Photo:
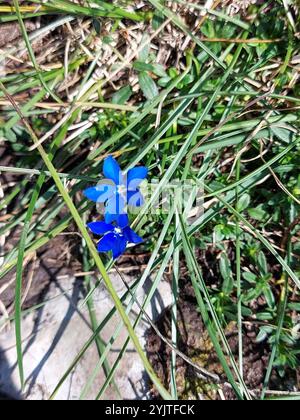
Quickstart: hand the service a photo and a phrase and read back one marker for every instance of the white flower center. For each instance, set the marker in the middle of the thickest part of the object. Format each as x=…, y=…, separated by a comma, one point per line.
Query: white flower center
x=118, y=231
x=121, y=189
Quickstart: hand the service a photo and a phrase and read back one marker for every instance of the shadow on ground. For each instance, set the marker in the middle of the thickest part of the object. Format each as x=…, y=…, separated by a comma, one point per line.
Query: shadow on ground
x=11, y=392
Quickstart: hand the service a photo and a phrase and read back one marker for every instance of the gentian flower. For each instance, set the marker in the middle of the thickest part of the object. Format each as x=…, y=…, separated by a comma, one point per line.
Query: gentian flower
x=116, y=238
x=118, y=189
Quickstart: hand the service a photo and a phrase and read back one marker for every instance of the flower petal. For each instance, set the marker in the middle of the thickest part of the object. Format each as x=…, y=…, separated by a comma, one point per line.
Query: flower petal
x=111, y=170
x=123, y=221
x=115, y=207
x=131, y=236
x=136, y=176
x=100, y=228
x=100, y=193
x=107, y=243
x=119, y=247
x=135, y=198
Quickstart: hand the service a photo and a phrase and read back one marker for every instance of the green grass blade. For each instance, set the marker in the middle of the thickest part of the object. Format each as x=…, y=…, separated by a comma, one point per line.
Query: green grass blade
x=199, y=285
x=19, y=278
x=31, y=52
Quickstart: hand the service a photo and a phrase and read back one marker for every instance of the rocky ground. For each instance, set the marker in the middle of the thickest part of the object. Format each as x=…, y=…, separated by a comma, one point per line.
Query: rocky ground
x=55, y=333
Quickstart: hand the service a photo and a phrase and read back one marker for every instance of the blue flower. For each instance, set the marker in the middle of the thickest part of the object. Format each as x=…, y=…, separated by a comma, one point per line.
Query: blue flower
x=118, y=189
x=116, y=238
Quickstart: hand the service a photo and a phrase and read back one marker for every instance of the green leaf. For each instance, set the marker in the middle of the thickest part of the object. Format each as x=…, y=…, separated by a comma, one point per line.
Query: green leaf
x=226, y=273
x=164, y=81
x=218, y=233
x=97, y=26
x=148, y=86
x=144, y=54
x=246, y=311
x=243, y=202
x=250, y=277
x=252, y=295
x=122, y=95
x=285, y=134
x=159, y=70
x=294, y=306
x=262, y=263
x=264, y=316
x=173, y=72
x=263, y=334
x=268, y=294
x=158, y=20
x=155, y=68
x=257, y=213
x=142, y=66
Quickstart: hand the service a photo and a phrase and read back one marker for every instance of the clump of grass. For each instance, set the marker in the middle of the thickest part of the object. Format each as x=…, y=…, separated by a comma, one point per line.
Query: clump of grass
x=193, y=94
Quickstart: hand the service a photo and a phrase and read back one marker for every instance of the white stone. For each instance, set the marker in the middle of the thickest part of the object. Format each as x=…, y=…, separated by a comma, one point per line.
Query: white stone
x=54, y=334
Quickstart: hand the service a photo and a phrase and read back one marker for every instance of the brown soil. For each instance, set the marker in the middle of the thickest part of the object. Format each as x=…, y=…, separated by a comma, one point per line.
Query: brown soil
x=10, y=32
